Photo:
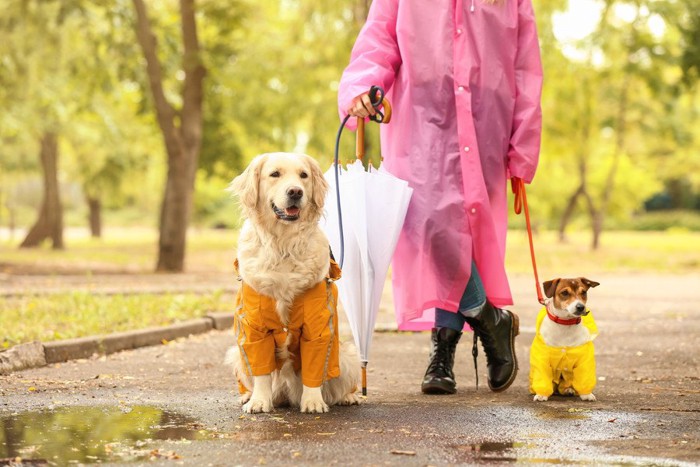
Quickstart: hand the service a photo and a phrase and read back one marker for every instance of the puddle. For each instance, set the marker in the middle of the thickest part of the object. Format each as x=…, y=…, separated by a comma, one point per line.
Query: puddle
x=524, y=452
x=488, y=452
x=563, y=416
x=93, y=434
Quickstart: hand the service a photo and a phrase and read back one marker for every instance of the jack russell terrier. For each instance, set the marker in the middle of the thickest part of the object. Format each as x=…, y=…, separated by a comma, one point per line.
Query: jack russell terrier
x=562, y=358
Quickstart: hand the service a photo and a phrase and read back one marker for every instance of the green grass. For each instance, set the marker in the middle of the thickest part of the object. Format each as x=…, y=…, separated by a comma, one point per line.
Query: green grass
x=133, y=251
x=130, y=250
x=68, y=315
x=670, y=252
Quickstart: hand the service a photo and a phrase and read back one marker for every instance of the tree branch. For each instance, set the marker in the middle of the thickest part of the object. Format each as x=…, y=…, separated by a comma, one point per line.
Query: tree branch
x=164, y=111
x=192, y=93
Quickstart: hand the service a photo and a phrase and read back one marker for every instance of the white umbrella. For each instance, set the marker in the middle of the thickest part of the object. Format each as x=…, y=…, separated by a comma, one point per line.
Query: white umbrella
x=373, y=205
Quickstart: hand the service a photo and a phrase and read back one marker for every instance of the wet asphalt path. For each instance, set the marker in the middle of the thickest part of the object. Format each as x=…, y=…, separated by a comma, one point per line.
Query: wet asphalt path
x=176, y=402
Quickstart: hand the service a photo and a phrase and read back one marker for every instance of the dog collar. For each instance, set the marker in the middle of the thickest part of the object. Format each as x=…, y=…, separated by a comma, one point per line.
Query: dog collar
x=565, y=322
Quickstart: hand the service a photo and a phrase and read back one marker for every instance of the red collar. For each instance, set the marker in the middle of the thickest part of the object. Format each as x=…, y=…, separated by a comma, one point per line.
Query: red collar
x=565, y=322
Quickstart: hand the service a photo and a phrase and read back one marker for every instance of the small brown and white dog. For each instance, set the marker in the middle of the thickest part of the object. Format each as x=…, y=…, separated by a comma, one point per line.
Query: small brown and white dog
x=282, y=253
x=562, y=359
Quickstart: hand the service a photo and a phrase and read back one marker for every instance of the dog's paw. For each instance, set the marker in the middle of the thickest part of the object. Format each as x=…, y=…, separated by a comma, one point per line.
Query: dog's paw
x=588, y=397
x=350, y=399
x=258, y=405
x=539, y=398
x=243, y=398
x=313, y=406
x=312, y=401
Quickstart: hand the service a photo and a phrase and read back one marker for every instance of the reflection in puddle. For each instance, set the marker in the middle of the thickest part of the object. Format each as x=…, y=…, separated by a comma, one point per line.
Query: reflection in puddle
x=503, y=452
x=559, y=415
x=92, y=434
x=490, y=451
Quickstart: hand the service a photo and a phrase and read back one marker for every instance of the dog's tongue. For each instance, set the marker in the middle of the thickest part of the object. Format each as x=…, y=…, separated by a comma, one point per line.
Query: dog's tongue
x=292, y=211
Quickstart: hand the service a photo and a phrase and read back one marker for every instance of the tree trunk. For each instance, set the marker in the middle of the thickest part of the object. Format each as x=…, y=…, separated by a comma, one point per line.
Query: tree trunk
x=95, y=216
x=50, y=221
x=183, y=141
x=360, y=11
x=568, y=212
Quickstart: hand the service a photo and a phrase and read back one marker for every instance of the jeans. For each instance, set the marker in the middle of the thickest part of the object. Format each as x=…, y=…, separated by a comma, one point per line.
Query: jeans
x=470, y=304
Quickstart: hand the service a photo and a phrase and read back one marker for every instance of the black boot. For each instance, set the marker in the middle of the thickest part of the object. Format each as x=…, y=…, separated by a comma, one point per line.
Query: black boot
x=439, y=378
x=497, y=330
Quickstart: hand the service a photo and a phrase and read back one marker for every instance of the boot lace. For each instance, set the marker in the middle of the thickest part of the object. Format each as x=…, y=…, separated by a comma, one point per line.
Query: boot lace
x=441, y=359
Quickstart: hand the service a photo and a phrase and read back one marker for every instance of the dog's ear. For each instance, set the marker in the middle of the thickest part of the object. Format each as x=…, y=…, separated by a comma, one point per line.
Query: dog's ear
x=319, y=184
x=245, y=186
x=550, y=287
x=589, y=283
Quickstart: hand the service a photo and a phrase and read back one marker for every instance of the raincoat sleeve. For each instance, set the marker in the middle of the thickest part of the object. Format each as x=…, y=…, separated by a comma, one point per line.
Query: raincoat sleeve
x=541, y=374
x=524, y=150
x=584, y=371
x=375, y=58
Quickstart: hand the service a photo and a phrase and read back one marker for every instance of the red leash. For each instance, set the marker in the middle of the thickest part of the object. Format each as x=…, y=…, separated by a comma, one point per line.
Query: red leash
x=518, y=187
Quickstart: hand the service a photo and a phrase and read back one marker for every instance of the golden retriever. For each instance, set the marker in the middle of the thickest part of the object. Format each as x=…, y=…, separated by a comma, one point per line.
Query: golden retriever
x=282, y=252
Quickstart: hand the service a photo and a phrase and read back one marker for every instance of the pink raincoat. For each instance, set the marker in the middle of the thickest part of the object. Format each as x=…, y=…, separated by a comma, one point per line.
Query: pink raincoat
x=464, y=79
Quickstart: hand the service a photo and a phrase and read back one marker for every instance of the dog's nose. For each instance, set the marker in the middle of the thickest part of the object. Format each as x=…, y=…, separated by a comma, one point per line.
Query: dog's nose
x=580, y=307
x=295, y=193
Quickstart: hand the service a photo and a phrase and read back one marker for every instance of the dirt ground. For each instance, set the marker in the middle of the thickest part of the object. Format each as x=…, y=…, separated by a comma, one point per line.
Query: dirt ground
x=647, y=412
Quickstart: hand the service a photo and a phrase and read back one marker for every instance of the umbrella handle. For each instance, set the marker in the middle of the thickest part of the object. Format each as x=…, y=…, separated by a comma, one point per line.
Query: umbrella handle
x=360, y=139
x=364, y=378
x=378, y=100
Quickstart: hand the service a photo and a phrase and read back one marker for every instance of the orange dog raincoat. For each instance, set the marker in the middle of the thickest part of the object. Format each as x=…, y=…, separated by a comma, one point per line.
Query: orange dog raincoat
x=311, y=334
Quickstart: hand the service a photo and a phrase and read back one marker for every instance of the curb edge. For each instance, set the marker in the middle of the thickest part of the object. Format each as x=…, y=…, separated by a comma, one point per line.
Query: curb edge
x=37, y=354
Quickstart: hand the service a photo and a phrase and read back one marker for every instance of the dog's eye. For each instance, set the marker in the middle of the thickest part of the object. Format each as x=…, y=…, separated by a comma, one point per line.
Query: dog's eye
x=564, y=293
x=303, y=175
x=275, y=174
x=584, y=293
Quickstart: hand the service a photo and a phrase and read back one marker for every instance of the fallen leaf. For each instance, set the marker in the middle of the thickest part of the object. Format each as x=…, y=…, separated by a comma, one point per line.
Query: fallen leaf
x=326, y=434
x=403, y=453
x=612, y=420
x=157, y=454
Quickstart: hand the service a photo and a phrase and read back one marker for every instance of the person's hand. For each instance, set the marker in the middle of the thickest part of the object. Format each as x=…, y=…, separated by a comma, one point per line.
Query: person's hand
x=361, y=106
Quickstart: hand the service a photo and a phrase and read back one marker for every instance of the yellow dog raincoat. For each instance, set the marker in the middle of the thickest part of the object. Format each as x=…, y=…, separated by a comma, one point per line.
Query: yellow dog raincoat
x=311, y=336
x=555, y=369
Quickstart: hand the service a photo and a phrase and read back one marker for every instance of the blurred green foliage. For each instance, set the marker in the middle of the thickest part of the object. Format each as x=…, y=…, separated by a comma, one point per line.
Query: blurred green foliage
x=620, y=104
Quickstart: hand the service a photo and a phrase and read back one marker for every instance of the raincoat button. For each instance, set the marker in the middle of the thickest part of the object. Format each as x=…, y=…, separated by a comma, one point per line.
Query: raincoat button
x=459, y=31
x=466, y=148
x=473, y=210
x=460, y=89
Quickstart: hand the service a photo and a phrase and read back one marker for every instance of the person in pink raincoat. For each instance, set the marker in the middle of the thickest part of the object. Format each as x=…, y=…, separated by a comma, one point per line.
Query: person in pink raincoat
x=464, y=78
